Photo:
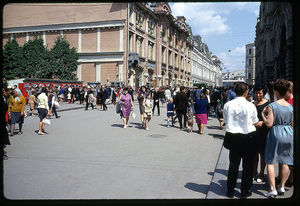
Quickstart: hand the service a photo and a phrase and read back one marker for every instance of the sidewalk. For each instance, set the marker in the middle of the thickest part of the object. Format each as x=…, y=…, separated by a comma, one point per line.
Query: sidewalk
x=218, y=188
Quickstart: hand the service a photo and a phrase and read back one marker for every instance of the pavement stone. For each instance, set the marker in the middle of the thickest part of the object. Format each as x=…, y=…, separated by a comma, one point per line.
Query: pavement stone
x=212, y=185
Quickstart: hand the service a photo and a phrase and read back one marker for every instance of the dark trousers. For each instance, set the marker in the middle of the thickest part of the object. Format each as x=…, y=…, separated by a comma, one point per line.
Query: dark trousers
x=54, y=111
x=181, y=113
x=104, y=105
x=156, y=104
x=87, y=105
x=244, y=152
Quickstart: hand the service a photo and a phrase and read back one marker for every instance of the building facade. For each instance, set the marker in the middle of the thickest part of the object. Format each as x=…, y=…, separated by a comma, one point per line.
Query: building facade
x=105, y=33
x=274, y=42
x=99, y=38
x=205, y=68
x=250, y=64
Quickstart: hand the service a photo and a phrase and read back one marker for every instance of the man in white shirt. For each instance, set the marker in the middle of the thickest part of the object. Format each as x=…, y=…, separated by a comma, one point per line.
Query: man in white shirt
x=240, y=117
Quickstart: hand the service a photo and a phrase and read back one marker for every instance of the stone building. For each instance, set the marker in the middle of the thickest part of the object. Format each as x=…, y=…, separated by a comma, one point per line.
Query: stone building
x=205, y=68
x=104, y=34
x=250, y=64
x=274, y=42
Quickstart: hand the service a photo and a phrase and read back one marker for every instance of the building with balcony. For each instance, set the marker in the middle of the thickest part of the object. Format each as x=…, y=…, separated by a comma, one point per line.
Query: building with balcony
x=104, y=34
x=205, y=68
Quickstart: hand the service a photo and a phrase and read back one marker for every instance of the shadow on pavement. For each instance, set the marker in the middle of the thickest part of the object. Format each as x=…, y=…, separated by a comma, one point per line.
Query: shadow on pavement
x=219, y=188
x=197, y=187
x=218, y=136
x=213, y=127
x=117, y=125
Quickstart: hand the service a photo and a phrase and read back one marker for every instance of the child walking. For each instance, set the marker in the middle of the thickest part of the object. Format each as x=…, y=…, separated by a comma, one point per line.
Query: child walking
x=190, y=119
x=170, y=112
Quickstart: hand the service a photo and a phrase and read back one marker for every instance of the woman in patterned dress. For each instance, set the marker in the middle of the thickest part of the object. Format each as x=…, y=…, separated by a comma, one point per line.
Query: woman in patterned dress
x=127, y=106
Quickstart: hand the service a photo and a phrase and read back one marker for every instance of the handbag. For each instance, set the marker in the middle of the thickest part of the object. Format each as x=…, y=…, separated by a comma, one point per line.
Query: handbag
x=56, y=104
x=46, y=121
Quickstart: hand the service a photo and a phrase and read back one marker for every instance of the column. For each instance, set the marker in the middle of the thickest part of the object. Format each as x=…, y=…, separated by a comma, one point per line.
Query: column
x=79, y=40
x=98, y=40
x=79, y=72
x=121, y=38
x=44, y=38
x=27, y=36
x=61, y=33
x=120, y=71
x=98, y=72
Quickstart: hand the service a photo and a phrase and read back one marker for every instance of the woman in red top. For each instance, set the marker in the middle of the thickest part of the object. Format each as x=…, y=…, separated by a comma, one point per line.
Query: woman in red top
x=289, y=97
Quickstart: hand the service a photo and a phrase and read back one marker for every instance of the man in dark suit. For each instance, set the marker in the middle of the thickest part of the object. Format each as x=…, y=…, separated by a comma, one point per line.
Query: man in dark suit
x=156, y=100
x=181, y=104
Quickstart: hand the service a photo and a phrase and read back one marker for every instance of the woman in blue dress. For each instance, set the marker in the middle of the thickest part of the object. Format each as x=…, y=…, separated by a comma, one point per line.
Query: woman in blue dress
x=278, y=116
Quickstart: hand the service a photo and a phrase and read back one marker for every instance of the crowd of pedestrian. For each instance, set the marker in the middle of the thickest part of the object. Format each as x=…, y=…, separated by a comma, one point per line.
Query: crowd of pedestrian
x=258, y=121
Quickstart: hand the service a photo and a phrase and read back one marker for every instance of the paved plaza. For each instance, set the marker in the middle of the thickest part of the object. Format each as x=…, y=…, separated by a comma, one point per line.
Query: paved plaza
x=89, y=155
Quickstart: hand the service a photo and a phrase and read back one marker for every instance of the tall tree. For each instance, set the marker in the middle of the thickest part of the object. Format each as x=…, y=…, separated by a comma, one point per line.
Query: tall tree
x=35, y=59
x=12, y=58
x=63, y=60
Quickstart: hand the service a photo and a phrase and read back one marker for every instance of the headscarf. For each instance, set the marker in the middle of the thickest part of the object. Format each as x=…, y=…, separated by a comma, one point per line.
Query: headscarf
x=19, y=93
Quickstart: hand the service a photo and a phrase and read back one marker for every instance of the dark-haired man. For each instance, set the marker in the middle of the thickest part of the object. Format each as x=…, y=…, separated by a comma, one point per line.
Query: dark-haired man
x=240, y=117
x=181, y=104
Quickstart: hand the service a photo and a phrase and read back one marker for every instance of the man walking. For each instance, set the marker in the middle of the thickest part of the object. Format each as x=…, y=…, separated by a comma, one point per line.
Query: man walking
x=181, y=104
x=240, y=117
x=156, y=100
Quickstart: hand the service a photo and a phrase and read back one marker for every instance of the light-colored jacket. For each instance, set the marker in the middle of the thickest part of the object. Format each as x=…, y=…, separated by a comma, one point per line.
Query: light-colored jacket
x=43, y=101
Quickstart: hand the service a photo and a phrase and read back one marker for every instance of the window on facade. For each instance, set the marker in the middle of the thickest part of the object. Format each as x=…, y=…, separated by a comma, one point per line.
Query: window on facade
x=170, y=58
x=176, y=60
x=170, y=39
x=151, y=28
x=139, y=46
x=181, y=62
x=250, y=51
x=131, y=16
x=163, y=54
x=249, y=76
x=163, y=33
x=249, y=62
x=131, y=42
x=139, y=21
x=150, y=50
x=176, y=43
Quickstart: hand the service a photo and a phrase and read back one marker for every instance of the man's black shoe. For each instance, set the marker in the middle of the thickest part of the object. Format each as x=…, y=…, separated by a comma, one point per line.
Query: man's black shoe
x=230, y=194
x=248, y=194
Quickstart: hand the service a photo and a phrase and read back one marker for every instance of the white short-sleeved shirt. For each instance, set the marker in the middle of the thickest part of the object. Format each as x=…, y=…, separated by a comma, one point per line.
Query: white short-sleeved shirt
x=239, y=116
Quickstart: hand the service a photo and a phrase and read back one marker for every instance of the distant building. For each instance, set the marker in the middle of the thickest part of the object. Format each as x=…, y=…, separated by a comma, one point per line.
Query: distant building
x=250, y=64
x=205, y=68
x=274, y=42
x=105, y=35
x=234, y=75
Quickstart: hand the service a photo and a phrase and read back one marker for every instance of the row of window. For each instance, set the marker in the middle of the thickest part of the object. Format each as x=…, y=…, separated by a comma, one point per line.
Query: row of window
x=167, y=35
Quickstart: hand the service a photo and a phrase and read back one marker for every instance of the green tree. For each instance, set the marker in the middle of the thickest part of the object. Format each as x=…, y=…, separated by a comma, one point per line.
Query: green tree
x=35, y=59
x=63, y=60
x=12, y=58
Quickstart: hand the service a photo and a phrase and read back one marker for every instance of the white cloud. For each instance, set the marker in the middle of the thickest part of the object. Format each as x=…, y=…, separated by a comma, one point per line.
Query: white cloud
x=233, y=60
x=204, y=21
x=209, y=19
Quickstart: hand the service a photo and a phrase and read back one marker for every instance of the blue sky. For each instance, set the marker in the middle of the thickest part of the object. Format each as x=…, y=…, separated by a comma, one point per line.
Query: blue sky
x=223, y=26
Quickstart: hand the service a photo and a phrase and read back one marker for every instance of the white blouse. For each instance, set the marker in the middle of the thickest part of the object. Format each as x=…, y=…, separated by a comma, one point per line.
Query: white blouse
x=240, y=115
